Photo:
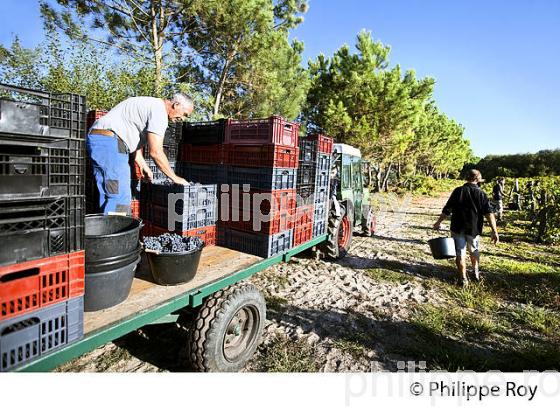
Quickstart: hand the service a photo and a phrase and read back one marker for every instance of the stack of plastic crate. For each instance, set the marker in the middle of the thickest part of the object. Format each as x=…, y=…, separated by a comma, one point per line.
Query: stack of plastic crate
x=305, y=188
x=189, y=210
x=319, y=149
x=202, y=153
x=262, y=158
x=42, y=166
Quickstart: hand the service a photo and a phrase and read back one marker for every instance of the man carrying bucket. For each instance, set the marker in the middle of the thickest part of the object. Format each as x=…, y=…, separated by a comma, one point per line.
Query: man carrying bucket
x=467, y=206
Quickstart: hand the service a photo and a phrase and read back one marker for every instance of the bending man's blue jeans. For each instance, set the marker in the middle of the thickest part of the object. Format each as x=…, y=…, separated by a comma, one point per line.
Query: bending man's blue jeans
x=111, y=171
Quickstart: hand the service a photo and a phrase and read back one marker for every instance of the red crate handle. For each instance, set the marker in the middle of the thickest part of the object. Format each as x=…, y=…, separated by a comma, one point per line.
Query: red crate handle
x=24, y=273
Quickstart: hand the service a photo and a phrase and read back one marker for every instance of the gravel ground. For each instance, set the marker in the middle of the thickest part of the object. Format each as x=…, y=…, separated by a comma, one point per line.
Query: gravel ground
x=322, y=316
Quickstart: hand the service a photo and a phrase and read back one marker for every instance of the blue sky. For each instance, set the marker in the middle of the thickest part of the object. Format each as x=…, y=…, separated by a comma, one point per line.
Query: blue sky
x=496, y=62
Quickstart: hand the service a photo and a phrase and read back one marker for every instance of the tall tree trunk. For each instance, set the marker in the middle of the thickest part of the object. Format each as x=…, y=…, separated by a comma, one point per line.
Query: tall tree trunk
x=378, y=180
x=385, y=183
x=157, y=42
x=220, y=89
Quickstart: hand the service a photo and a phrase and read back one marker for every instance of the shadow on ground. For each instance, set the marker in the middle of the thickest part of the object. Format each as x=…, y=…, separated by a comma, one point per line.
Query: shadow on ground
x=404, y=340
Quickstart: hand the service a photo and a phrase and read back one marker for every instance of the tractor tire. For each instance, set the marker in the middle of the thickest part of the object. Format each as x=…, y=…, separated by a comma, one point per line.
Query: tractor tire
x=227, y=329
x=339, y=236
x=369, y=222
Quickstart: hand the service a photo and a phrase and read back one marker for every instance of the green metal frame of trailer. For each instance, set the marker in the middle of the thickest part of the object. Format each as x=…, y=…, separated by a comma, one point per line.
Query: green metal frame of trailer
x=161, y=313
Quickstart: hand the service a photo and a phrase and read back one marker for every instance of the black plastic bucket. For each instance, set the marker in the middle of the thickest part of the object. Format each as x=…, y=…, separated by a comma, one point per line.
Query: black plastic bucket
x=108, y=236
x=112, y=263
x=107, y=289
x=442, y=248
x=174, y=268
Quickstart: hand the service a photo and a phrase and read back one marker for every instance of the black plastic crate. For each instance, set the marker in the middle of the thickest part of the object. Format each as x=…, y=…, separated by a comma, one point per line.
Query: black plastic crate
x=39, y=228
x=263, y=178
x=186, y=196
x=306, y=174
x=202, y=174
x=205, y=132
x=307, y=150
x=258, y=244
x=173, y=134
x=27, y=337
x=158, y=173
x=170, y=151
x=191, y=218
x=31, y=169
x=32, y=112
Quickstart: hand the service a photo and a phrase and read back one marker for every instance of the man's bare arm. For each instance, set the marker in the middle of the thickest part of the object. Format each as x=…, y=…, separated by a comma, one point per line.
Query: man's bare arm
x=155, y=145
x=441, y=218
x=491, y=218
x=139, y=159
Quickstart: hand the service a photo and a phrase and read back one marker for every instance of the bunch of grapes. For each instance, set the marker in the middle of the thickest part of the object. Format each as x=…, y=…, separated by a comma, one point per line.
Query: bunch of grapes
x=164, y=181
x=172, y=243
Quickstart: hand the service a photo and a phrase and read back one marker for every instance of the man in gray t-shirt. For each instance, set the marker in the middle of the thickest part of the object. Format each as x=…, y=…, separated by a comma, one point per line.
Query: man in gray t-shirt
x=118, y=133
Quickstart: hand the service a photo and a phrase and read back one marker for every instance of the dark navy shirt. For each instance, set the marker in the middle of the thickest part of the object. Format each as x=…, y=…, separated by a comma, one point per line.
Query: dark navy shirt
x=467, y=206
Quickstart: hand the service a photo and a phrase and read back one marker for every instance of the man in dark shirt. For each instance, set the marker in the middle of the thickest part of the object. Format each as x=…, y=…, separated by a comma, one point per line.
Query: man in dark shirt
x=498, y=198
x=467, y=206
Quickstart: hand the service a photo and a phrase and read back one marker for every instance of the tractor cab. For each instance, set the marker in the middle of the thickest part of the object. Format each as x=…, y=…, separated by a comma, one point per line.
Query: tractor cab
x=350, y=200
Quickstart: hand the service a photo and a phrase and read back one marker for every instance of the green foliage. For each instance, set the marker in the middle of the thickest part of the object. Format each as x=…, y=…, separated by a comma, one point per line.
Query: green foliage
x=386, y=112
x=19, y=65
x=149, y=32
x=539, y=199
x=427, y=185
x=543, y=163
x=244, y=61
x=77, y=67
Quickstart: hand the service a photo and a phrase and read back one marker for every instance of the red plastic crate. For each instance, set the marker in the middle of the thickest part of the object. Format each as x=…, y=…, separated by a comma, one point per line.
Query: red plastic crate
x=28, y=286
x=92, y=116
x=276, y=208
x=324, y=143
x=304, y=215
x=279, y=222
x=268, y=155
x=277, y=200
x=135, y=208
x=272, y=130
x=303, y=233
x=207, y=233
x=203, y=154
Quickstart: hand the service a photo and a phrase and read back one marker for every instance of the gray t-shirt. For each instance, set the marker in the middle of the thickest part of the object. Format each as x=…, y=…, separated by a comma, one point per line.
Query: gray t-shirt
x=135, y=116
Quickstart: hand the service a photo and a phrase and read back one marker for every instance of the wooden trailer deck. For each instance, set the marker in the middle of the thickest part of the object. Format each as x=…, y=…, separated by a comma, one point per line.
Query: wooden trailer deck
x=215, y=263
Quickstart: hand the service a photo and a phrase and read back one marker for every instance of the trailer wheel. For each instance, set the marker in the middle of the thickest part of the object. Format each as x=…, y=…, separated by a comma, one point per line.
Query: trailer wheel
x=227, y=329
x=339, y=230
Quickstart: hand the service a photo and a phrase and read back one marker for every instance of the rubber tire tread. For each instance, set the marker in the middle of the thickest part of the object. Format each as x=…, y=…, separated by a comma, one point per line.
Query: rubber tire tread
x=204, y=331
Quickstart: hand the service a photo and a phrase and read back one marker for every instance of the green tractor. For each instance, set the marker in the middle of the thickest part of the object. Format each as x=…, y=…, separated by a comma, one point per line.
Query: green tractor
x=350, y=201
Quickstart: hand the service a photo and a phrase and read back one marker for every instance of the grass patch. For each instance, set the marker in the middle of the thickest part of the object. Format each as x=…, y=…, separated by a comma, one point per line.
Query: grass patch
x=288, y=356
x=473, y=297
x=388, y=275
x=352, y=347
x=538, y=319
x=454, y=321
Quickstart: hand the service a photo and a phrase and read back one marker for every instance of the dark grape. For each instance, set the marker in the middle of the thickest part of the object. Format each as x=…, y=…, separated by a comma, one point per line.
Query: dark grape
x=172, y=243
